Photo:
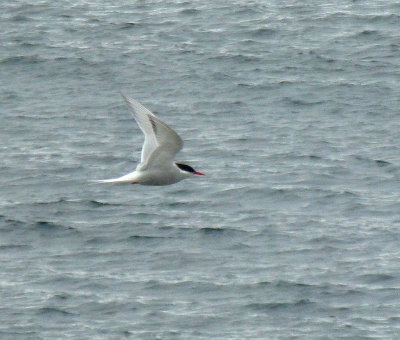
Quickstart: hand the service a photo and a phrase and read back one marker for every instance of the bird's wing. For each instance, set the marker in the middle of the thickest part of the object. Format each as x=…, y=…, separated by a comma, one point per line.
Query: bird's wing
x=157, y=136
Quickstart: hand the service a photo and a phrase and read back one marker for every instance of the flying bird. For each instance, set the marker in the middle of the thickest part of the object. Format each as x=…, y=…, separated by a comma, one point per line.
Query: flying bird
x=161, y=144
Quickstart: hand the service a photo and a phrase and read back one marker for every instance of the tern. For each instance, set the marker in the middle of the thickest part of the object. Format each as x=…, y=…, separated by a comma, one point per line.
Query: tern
x=161, y=144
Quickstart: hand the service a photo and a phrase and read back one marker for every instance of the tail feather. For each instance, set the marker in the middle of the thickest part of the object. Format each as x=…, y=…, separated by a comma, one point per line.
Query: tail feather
x=129, y=178
x=111, y=180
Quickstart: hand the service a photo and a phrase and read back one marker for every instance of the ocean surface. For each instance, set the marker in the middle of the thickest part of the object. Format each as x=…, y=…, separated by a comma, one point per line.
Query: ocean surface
x=291, y=108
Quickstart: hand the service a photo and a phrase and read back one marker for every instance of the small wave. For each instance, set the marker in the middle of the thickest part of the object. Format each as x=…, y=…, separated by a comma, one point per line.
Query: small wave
x=239, y=246
x=14, y=223
x=128, y=25
x=29, y=44
x=190, y=11
x=61, y=200
x=184, y=284
x=263, y=283
x=101, y=204
x=21, y=18
x=291, y=284
x=303, y=102
x=62, y=296
x=248, y=9
x=278, y=305
x=212, y=230
x=93, y=203
x=75, y=60
x=145, y=238
x=32, y=59
x=366, y=33
x=97, y=240
x=52, y=311
x=240, y=58
x=339, y=194
x=382, y=163
x=47, y=225
x=51, y=226
x=263, y=31
x=14, y=247
x=177, y=204
x=313, y=157
x=376, y=278
x=379, y=162
x=216, y=231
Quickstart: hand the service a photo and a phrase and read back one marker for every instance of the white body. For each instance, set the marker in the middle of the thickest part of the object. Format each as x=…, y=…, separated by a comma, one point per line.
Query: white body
x=166, y=176
x=161, y=144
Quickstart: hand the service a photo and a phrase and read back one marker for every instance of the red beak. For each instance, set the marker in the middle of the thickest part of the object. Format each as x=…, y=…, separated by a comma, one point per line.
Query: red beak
x=198, y=173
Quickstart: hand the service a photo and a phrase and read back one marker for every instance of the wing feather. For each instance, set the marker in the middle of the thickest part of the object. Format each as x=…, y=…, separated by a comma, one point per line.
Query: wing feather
x=157, y=136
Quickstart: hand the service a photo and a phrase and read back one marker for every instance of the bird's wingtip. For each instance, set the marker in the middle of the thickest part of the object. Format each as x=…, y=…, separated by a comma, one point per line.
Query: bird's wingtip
x=130, y=101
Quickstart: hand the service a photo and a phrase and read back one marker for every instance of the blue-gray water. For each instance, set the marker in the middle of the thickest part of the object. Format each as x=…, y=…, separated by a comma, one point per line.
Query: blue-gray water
x=292, y=110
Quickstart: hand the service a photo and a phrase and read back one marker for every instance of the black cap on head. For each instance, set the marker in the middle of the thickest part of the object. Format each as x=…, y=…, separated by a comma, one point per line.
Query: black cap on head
x=185, y=167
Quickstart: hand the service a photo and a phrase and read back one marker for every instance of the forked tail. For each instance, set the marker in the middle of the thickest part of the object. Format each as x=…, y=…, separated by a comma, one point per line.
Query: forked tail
x=129, y=178
x=111, y=180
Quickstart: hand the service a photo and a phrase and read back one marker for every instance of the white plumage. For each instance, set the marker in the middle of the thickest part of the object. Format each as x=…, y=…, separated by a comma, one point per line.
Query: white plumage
x=161, y=144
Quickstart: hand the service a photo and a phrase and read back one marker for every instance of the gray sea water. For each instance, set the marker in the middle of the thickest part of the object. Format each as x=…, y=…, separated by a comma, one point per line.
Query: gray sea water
x=292, y=110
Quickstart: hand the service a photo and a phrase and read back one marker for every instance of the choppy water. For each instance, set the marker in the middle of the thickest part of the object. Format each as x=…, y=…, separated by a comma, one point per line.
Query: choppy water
x=292, y=110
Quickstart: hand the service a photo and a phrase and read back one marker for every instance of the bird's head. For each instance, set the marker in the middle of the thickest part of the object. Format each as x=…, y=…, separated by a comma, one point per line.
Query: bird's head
x=188, y=169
